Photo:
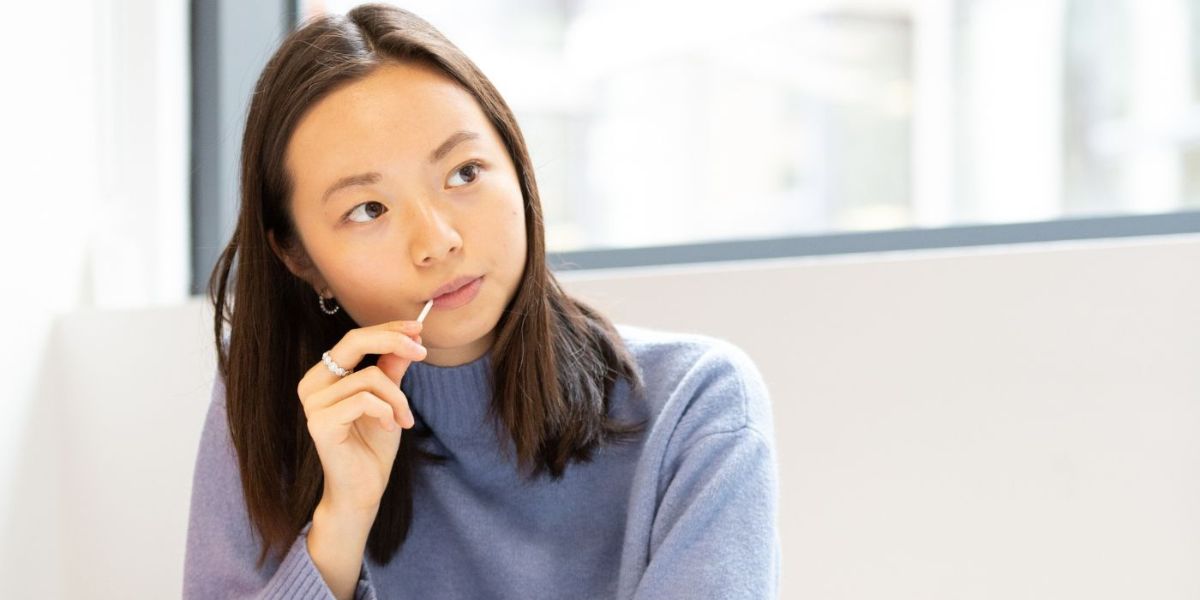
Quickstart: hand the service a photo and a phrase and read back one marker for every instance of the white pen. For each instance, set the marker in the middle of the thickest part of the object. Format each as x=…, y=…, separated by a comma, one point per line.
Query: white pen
x=425, y=311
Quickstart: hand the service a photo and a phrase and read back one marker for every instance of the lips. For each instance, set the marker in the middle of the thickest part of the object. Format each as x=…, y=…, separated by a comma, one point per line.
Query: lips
x=454, y=284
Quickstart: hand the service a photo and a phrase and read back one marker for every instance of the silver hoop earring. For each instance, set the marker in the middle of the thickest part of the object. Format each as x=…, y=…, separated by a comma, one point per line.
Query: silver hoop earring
x=321, y=301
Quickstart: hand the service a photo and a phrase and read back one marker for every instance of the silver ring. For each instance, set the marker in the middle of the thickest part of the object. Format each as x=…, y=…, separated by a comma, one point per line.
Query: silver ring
x=333, y=366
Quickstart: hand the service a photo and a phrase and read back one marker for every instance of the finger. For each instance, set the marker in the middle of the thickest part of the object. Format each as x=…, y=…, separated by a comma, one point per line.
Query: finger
x=371, y=379
x=395, y=365
x=393, y=337
x=333, y=423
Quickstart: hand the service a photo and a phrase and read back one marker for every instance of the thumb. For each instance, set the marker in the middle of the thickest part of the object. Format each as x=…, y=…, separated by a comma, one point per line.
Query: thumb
x=394, y=365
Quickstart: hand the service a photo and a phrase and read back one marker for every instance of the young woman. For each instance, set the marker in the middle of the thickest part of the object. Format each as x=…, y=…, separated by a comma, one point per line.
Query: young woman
x=516, y=444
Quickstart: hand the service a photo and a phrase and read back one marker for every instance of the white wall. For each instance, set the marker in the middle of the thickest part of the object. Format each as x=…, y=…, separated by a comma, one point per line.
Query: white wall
x=93, y=155
x=996, y=422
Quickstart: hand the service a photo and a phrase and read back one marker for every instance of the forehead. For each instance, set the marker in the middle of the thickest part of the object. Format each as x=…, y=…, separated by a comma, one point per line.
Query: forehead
x=402, y=110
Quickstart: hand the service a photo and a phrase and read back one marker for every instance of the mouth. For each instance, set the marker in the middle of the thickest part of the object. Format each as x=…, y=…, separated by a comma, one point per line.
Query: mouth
x=458, y=292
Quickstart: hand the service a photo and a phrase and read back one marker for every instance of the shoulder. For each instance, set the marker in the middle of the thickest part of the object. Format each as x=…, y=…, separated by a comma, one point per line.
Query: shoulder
x=698, y=384
x=218, y=386
x=217, y=401
x=216, y=420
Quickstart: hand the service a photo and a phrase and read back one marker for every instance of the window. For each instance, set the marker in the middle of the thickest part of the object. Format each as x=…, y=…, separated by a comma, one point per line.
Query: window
x=671, y=131
x=654, y=121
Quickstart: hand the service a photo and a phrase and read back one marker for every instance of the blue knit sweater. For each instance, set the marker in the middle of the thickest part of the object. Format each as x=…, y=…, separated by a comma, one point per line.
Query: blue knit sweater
x=688, y=511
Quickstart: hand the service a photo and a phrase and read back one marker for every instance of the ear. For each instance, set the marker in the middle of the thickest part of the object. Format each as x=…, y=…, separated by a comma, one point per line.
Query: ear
x=297, y=262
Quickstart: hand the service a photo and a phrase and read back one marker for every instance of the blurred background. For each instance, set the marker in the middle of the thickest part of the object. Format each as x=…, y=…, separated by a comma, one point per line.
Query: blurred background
x=972, y=229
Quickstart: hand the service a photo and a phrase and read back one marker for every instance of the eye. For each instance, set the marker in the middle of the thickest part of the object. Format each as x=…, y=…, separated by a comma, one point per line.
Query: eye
x=355, y=209
x=472, y=167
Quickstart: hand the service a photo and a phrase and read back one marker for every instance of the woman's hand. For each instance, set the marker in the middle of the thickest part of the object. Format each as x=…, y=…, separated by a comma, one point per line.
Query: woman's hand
x=356, y=421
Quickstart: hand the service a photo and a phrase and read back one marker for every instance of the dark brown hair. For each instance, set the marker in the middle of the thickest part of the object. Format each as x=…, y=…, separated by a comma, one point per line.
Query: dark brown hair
x=554, y=361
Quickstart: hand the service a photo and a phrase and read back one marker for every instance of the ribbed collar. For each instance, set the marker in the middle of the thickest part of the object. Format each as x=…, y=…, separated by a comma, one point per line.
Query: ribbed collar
x=452, y=401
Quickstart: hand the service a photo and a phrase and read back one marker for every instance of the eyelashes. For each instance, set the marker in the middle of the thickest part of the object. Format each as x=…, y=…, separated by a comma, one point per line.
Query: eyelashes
x=352, y=211
x=476, y=166
x=474, y=163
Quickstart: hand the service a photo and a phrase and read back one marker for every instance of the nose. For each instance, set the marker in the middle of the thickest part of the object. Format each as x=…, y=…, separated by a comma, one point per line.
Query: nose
x=434, y=235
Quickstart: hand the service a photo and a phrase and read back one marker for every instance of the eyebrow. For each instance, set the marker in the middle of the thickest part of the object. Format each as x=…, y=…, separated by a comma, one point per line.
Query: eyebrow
x=373, y=177
x=458, y=136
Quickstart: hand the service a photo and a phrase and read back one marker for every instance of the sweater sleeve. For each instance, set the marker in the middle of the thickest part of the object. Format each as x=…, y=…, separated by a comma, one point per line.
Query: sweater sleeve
x=715, y=532
x=222, y=548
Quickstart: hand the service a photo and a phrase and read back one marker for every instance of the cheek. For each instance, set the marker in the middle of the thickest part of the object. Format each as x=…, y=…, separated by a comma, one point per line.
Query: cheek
x=517, y=240
x=358, y=274
x=515, y=223
x=505, y=230
x=506, y=220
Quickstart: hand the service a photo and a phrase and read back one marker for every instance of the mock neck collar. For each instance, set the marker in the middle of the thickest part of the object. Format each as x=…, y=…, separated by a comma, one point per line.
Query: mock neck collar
x=452, y=401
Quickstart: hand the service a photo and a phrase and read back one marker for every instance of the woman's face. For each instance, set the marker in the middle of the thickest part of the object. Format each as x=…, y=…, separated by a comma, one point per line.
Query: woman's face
x=392, y=201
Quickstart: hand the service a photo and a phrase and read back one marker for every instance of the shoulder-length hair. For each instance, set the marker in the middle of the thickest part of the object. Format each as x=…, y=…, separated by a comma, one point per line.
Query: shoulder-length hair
x=554, y=361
